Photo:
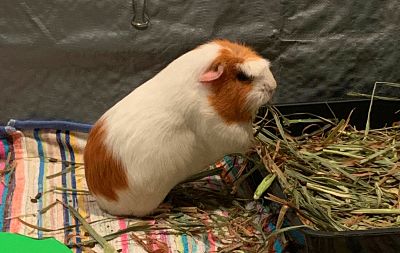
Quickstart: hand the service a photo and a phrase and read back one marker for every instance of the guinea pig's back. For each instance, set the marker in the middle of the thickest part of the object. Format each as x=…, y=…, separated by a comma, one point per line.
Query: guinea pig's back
x=136, y=152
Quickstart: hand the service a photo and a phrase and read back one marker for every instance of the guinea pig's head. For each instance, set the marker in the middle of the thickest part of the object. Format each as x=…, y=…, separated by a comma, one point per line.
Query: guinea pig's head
x=239, y=81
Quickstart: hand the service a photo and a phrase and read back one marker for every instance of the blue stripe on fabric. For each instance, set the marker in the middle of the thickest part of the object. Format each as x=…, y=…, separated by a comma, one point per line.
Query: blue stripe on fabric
x=5, y=191
x=64, y=184
x=11, y=186
x=40, y=180
x=185, y=244
x=206, y=242
x=73, y=182
x=56, y=125
x=277, y=246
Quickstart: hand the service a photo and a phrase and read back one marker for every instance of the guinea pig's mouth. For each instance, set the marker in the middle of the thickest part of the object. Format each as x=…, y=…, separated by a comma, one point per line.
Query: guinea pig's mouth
x=259, y=99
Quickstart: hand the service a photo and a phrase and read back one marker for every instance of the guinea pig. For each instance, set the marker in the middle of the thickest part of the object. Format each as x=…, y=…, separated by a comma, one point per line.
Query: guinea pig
x=193, y=112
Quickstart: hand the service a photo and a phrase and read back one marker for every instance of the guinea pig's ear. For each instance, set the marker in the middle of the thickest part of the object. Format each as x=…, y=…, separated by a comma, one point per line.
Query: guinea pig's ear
x=212, y=75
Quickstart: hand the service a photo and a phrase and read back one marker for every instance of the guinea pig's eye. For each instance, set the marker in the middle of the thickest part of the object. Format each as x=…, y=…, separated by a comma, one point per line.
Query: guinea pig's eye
x=243, y=77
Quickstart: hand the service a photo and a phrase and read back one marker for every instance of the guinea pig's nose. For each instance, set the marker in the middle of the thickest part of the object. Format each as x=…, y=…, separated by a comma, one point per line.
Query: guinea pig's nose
x=270, y=81
x=270, y=87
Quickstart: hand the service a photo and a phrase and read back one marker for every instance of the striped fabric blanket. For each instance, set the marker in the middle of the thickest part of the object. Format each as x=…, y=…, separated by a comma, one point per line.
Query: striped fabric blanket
x=48, y=158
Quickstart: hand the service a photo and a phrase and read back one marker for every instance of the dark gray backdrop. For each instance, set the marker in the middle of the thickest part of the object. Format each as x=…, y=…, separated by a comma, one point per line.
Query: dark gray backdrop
x=72, y=59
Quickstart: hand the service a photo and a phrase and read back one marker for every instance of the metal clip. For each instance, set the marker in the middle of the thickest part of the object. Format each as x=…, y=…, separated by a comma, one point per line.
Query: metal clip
x=140, y=18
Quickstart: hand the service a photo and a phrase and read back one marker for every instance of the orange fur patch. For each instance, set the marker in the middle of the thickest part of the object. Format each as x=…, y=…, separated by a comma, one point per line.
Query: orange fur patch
x=228, y=95
x=104, y=173
x=239, y=51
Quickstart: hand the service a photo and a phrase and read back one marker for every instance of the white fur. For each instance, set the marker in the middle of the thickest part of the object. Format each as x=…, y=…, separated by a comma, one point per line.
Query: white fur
x=165, y=131
x=264, y=82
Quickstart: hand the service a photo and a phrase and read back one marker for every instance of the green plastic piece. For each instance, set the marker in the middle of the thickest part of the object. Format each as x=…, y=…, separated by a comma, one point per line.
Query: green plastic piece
x=16, y=243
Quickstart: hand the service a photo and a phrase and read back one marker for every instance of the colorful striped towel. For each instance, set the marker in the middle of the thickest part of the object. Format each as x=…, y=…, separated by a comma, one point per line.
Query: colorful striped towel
x=28, y=196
